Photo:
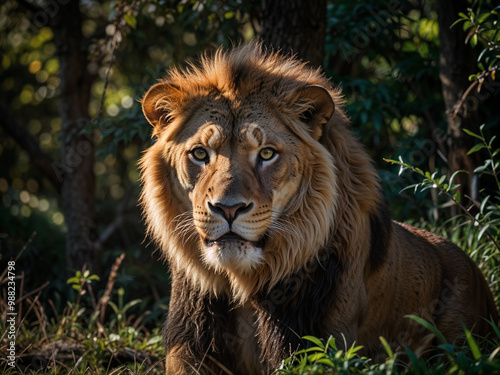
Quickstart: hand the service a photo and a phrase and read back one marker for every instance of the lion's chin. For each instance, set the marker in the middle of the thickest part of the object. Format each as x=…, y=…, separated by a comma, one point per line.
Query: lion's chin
x=232, y=253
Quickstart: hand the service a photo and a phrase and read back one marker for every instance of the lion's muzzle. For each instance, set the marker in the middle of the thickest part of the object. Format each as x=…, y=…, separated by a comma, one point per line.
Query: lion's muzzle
x=230, y=212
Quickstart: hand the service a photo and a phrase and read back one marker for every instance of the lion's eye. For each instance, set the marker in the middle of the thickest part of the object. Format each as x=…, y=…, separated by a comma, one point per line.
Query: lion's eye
x=200, y=154
x=266, y=154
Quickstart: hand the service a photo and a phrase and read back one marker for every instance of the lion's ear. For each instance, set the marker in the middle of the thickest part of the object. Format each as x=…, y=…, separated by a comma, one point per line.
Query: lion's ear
x=320, y=108
x=160, y=100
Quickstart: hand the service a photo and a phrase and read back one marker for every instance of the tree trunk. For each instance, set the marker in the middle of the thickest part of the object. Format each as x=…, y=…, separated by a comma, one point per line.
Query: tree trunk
x=295, y=27
x=77, y=151
x=40, y=159
x=456, y=64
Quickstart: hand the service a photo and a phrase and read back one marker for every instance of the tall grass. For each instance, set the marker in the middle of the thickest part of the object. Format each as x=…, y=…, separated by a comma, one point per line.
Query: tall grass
x=91, y=336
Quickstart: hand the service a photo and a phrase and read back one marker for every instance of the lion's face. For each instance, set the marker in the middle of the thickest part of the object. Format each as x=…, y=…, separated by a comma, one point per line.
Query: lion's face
x=237, y=175
x=239, y=189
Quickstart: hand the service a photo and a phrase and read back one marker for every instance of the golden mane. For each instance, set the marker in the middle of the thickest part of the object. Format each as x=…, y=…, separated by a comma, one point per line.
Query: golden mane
x=338, y=190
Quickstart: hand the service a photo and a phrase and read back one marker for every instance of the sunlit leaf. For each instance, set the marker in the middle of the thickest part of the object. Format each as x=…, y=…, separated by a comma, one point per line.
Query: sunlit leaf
x=131, y=20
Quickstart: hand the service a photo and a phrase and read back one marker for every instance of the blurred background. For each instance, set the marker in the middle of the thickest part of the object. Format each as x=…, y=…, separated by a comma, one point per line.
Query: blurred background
x=72, y=131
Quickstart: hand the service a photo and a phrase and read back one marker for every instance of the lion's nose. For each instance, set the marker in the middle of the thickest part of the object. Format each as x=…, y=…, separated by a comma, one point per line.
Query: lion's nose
x=230, y=212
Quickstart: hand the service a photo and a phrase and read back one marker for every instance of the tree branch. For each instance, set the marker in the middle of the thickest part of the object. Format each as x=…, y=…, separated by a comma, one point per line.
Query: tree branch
x=43, y=161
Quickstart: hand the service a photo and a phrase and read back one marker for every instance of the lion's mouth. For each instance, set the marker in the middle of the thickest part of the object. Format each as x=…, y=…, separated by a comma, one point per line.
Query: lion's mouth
x=233, y=252
x=232, y=237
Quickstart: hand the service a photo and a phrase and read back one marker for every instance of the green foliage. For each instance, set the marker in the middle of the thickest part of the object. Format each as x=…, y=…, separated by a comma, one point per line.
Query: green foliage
x=80, y=279
x=384, y=54
x=488, y=216
x=482, y=27
x=323, y=358
x=78, y=342
x=121, y=309
x=326, y=358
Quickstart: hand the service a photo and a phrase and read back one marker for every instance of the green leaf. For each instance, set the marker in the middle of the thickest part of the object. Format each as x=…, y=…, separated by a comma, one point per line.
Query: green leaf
x=476, y=148
x=457, y=22
x=482, y=54
x=472, y=77
x=131, y=304
x=473, y=134
x=471, y=38
x=314, y=340
x=491, y=140
x=387, y=347
x=483, y=204
x=453, y=176
x=472, y=344
x=483, y=17
x=428, y=326
x=73, y=280
x=480, y=169
x=483, y=230
x=316, y=356
x=114, y=307
x=130, y=20
x=153, y=340
x=416, y=366
x=467, y=25
x=326, y=361
x=331, y=343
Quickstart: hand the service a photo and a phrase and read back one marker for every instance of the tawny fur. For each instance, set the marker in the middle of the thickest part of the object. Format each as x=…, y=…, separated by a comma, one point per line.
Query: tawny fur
x=319, y=254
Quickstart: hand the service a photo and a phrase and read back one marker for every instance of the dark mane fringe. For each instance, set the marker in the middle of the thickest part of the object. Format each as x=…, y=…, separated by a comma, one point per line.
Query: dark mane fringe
x=297, y=306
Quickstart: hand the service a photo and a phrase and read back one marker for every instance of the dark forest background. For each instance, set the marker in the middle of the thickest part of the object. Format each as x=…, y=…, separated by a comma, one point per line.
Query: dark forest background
x=71, y=127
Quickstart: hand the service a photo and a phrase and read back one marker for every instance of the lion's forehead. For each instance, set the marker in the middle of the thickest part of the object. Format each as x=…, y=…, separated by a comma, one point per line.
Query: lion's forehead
x=246, y=124
x=245, y=132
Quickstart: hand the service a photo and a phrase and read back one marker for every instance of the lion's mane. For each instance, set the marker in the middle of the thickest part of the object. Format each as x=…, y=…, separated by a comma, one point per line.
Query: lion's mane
x=338, y=190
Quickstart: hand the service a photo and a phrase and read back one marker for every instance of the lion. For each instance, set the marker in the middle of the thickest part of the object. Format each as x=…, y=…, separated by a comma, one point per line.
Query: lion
x=270, y=215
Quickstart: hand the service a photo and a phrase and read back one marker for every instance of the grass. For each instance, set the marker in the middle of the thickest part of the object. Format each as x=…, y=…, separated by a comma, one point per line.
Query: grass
x=91, y=336
x=325, y=358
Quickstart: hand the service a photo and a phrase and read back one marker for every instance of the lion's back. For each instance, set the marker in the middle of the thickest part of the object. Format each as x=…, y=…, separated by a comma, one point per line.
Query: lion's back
x=460, y=292
x=430, y=277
